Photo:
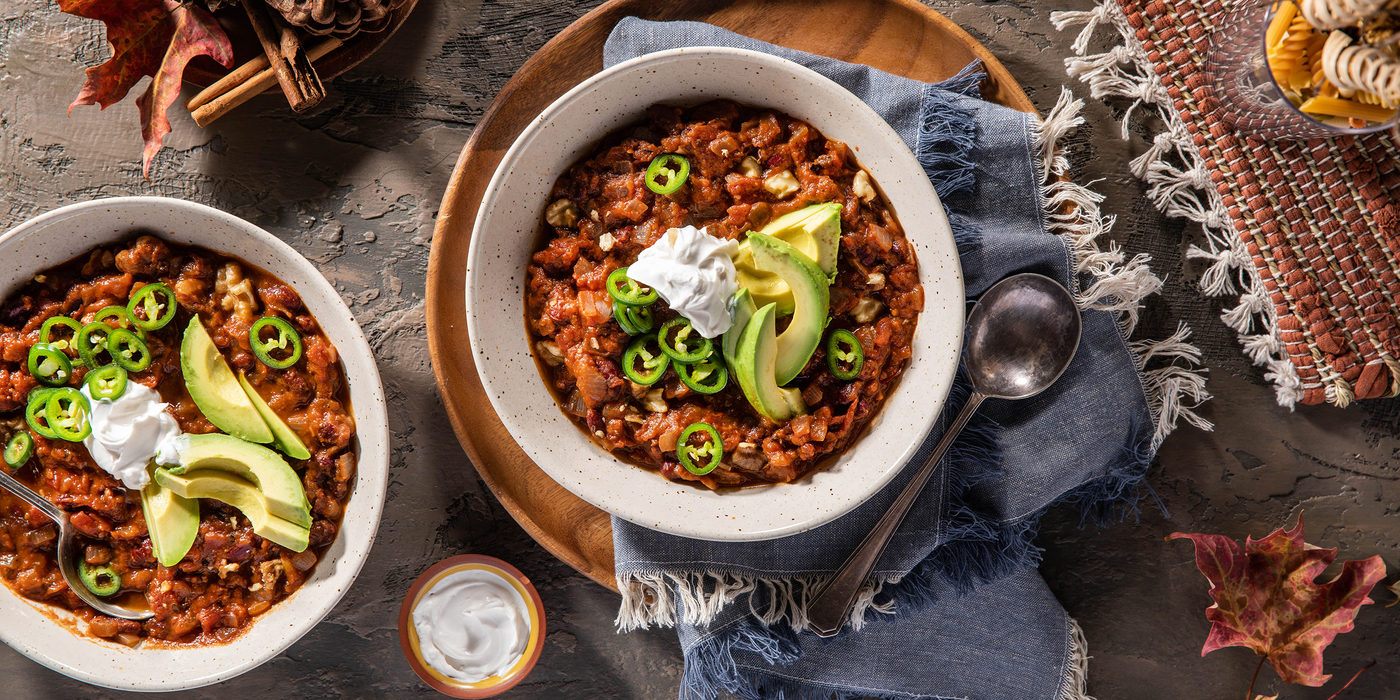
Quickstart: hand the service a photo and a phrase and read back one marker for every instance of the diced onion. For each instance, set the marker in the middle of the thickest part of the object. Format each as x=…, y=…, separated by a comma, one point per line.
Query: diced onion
x=303, y=561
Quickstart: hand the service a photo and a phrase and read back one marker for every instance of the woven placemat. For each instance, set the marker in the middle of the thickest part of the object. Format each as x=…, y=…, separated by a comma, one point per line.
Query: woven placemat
x=1303, y=232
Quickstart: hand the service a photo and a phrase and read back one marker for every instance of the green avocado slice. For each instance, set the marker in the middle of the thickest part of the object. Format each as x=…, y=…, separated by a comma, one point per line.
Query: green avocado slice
x=279, y=485
x=755, y=361
x=214, y=388
x=742, y=310
x=241, y=494
x=810, y=294
x=172, y=521
x=813, y=230
x=282, y=436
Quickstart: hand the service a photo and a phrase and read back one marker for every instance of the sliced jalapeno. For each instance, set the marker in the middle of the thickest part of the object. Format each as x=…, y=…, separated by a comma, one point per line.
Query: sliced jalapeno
x=19, y=449
x=34, y=412
x=636, y=320
x=286, y=342
x=625, y=290
x=92, y=342
x=53, y=333
x=844, y=354
x=49, y=365
x=118, y=317
x=667, y=173
x=107, y=382
x=642, y=364
x=682, y=342
x=152, y=307
x=128, y=350
x=707, y=376
x=67, y=412
x=703, y=458
x=101, y=579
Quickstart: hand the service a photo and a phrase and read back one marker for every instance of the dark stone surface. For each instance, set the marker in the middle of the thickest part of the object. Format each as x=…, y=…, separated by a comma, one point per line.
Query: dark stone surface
x=355, y=185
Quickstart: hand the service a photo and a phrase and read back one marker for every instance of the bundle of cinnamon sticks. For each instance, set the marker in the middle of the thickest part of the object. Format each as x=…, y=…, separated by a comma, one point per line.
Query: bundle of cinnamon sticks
x=284, y=61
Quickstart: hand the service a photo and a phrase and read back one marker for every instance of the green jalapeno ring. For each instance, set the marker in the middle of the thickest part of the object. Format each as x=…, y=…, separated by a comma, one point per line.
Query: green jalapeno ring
x=46, y=335
x=34, y=412
x=636, y=320
x=128, y=322
x=708, y=376
x=67, y=413
x=108, y=382
x=19, y=449
x=838, y=357
x=680, y=348
x=287, y=339
x=625, y=290
x=159, y=311
x=49, y=365
x=653, y=365
x=128, y=350
x=673, y=167
x=93, y=577
x=712, y=449
x=92, y=341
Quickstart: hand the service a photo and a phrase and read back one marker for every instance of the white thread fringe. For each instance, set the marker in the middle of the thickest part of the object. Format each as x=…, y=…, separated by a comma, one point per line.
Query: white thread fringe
x=1126, y=71
x=1075, y=684
x=650, y=599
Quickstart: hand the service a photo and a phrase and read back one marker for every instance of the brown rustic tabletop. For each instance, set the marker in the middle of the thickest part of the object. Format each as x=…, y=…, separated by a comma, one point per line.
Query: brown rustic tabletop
x=355, y=185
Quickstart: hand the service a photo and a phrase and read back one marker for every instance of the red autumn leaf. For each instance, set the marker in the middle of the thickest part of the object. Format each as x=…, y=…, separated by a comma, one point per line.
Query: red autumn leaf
x=148, y=37
x=1267, y=598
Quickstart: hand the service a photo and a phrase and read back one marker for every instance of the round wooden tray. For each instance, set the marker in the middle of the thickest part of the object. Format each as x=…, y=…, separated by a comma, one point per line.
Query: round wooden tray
x=897, y=36
x=204, y=71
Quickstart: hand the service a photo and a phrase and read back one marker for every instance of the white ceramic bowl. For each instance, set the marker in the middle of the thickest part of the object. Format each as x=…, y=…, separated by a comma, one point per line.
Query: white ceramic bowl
x=30, y=627
x=507, y=227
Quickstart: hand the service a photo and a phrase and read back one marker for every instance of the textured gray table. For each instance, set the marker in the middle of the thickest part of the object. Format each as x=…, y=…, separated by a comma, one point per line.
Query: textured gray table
x=355, y=184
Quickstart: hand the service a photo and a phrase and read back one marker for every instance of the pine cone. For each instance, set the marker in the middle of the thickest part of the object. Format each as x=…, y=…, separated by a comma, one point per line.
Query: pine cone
x=342, y=18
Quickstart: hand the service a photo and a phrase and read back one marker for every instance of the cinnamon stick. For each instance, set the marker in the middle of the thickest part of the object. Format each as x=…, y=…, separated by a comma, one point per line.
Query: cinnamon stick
x=284, y=52
x=215, y=105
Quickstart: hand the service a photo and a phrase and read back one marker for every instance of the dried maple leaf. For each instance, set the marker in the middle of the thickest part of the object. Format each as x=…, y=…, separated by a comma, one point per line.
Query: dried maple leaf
x=148, y=37
x=1267, y=599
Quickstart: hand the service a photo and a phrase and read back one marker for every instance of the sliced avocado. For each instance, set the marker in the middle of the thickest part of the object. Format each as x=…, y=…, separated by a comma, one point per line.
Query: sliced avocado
x=172, y=521
x=814, y=230
x=266, y=470
x=214, y=388
x=742, y=309
x=755, y=360
x=241, y=494
x=282, y=436
x=809, y=293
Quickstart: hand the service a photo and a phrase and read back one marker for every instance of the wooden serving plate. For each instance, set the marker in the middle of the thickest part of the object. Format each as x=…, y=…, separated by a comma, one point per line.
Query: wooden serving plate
x=204, y=71
x=898, y=36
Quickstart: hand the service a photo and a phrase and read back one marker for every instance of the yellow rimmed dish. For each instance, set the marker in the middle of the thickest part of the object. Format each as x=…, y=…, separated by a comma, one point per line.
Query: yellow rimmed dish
x=493, y=685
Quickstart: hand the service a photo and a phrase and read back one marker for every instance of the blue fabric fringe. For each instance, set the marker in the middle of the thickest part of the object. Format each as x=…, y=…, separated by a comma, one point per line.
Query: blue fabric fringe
x=945, y=144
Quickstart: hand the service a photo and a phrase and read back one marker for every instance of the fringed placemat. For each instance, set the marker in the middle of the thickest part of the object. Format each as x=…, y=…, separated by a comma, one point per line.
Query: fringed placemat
x=1303, y=233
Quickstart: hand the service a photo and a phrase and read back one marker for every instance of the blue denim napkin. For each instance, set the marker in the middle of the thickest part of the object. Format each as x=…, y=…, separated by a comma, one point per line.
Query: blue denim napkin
x=955, y=607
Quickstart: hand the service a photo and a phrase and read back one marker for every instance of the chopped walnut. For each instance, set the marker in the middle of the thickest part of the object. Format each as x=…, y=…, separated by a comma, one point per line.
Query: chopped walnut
x=606, y=242
x=875, y=281
x=865, y=310
x=749, y=167
x=655, y=402
x=781, y=185
x=550, y=353
x=562, y=213
x=862, y=187
x=236, y=292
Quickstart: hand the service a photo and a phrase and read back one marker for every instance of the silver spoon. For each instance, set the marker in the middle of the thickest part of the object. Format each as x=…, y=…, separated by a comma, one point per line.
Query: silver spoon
x=64, y=552
x=1021, y=336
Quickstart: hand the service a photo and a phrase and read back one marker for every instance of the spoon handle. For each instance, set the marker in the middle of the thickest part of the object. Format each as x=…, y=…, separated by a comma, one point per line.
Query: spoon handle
x=12, y=485
x=829, y=608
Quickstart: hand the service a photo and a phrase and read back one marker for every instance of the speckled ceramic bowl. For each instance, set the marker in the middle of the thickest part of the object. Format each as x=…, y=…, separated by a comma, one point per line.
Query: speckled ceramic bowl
x=504, y=238
x=42, y=632
x=495, y=685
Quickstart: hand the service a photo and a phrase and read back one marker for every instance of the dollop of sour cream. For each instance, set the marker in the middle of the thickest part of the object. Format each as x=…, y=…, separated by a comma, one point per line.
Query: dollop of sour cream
x=127, y=433
x=472, y=624
x=694, y=272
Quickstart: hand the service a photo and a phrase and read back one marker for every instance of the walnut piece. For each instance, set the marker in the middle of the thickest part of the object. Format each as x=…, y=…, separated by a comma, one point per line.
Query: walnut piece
x=862, y=187
x=561, y=213
x=781, y=185
x=865, y=310
x=236, y=292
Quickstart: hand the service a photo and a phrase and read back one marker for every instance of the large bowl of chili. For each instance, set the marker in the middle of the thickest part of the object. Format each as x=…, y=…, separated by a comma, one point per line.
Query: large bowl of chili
x=505, y=237
x=53, y=636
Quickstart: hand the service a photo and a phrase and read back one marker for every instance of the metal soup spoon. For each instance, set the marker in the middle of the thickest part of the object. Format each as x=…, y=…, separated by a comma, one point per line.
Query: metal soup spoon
x=1021, y=336
x=64, y=552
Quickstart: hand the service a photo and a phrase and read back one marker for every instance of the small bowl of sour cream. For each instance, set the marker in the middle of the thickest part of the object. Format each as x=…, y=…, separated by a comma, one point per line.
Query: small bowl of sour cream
x=472, y=626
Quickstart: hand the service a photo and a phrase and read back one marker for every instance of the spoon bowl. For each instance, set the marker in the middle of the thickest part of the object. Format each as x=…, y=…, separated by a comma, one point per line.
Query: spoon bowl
x=65, y=551
x=1021, y=336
